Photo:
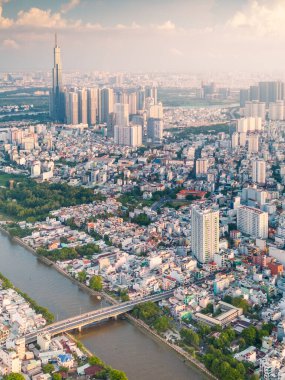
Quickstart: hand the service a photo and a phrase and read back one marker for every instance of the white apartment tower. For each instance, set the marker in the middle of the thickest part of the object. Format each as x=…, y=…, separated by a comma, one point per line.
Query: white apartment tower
x=72, y=116
x=92, y=105
x=121, y=114
x=253, y=144
x=259, y=171
x=235, y=140
x=201, y=166
x=205, y=233
x=255, y=109
x=129, y=135
x=253, y=222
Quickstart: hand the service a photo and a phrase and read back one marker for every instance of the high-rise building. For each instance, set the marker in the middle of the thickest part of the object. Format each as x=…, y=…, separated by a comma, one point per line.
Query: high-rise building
x=155, y=111
x=151, y=92
x=253, y=222
x=72, y=116
x=277, y=110
x=141, y=99
x=253, y=143
x=106, y=104
x=56, y=95
x=235, y=140
x=132, y=100
x=259, y=171
x=253, y=93
x=243, y=96
x=130, y=135
x=271, y=91
x=205, y=233
x=255, y=109
x=121, y=112
x=92, y=106
x=155, y=130
x=82, y=106
x=201, y=166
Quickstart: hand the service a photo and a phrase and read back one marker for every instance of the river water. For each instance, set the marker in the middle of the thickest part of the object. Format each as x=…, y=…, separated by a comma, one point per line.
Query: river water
x=118, y=343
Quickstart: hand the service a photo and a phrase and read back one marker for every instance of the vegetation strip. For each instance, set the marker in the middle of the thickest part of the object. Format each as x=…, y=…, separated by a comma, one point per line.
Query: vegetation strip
x=7, y=284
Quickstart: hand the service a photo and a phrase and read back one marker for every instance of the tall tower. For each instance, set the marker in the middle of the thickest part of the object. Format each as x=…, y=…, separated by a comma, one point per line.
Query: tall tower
x=205, y=233
x=56, y=96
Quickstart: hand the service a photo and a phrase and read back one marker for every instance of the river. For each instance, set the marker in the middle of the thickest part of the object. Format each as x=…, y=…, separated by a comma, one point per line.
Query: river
x=118, y=343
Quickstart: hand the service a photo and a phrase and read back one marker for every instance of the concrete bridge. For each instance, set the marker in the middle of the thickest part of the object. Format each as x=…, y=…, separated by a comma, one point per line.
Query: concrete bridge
x=98, y=315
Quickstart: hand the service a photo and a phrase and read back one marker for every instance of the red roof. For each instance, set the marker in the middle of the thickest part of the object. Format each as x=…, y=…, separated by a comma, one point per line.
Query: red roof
x=92, y=370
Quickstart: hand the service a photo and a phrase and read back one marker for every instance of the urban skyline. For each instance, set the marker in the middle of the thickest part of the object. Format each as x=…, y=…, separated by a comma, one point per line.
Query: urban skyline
x=98, y=35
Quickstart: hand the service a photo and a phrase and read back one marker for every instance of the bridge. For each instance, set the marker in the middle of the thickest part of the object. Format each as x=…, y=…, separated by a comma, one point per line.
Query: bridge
x=98, y=315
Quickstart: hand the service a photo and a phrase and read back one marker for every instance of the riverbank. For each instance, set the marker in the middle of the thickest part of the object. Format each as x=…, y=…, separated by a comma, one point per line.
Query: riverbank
x=7, y=284
x=186, y=358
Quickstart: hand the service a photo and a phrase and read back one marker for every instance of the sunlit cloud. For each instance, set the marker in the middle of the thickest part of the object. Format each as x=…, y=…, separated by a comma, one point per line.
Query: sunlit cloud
x=260, y=18
x=69, y=6
x=168, y=25
x=10, y=44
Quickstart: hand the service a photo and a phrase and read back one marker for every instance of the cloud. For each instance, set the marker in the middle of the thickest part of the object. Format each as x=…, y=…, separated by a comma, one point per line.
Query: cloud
x=11, y=44
x=176, y=52
x=132, y=26
x=4, y=22
x=69, y=6
x=168, y=25
x=37, y=17
x=264, y=18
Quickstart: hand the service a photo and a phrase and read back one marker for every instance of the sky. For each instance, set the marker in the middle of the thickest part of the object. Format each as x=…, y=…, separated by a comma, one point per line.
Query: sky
x=144, y=35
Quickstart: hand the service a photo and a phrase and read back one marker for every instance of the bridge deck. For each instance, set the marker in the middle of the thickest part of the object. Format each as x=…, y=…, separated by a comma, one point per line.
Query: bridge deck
x=95, y=316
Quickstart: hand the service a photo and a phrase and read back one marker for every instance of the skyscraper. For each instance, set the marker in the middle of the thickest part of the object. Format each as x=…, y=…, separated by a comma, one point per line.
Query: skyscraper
x=56, y=95
x=253, y=143
x=155, y=130
x=107, y=104
x=205, y=233
x=82, y=106
x=259, y=171
x=92, y=105
x=121, y=114
x=72, y=117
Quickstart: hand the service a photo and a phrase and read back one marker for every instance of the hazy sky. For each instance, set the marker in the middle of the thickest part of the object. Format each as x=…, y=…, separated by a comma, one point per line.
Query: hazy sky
x=144, y=35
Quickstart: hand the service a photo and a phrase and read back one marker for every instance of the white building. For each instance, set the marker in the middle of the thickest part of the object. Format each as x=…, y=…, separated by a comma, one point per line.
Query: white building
x=253, y=222
x=259, y=171
x=255, y=109
x=201, y=166
x=10, y=359
x=205, y=233
x=121, y=114
x=130, y=135
x=235, y=140
x=253, y=143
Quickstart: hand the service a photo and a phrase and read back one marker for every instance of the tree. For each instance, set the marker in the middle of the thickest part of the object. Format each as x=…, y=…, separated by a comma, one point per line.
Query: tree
x=117, y=375
x=14, y=376
x=147, y=311
x=190, y=337
x=240, y=368
x=254, y=377
x=94, y=360
x=82, y=276
x=56, y=376
x=162, y=324
x=96, y=283
x=142, y=219
x=48, y=368
x=249, y=335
